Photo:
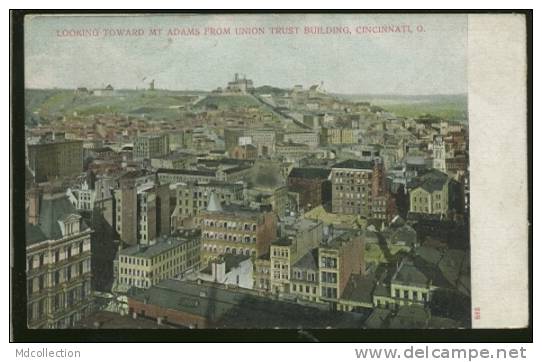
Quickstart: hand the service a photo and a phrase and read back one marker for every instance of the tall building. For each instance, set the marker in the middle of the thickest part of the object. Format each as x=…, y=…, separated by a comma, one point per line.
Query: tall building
x=53, y=159
x=439, y=153
x=353, y=184
x=339, y=259
x=235, y=230
x=312, y=185
x=58, y=265
x=151, y=146
x=142, y=211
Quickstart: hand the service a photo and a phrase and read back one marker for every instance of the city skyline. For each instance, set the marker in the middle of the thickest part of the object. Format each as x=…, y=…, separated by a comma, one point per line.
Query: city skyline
x=360, y=64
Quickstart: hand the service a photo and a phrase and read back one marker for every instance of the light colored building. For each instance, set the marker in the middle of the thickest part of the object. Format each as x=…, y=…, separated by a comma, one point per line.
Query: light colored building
x=311, y=139
x=439, y=153
x=235, y=270
x=142, y=266
x=431, y=195
x=337, y=136
x=192, y=198
x=58, y=264
x=298, y=237
x=151, y=146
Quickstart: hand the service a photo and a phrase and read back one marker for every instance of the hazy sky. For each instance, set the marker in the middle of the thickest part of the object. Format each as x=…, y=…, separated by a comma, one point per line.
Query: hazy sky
x=429, y=62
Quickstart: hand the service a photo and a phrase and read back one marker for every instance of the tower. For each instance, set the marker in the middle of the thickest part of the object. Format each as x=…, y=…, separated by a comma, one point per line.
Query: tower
x=439, y=153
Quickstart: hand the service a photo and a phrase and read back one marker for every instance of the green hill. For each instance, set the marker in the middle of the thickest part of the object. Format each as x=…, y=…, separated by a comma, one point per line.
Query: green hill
x=152, y=104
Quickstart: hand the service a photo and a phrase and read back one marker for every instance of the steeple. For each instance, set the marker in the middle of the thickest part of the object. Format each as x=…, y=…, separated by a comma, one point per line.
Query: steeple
x=214, y=204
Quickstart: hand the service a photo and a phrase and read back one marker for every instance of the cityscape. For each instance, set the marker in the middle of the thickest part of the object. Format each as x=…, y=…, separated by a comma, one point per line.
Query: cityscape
x=246, y=206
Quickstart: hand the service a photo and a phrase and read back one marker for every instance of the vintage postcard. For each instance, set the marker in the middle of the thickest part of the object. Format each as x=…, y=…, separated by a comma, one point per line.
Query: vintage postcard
x=272, y=171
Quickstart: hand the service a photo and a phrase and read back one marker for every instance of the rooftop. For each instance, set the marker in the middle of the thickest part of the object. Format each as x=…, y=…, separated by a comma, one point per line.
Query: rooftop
x=355, y=164
x=311, y=173
x=240, y=308
x=162, y=245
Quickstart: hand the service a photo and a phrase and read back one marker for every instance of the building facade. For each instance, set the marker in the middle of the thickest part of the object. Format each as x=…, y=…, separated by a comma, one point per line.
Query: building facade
x=55, y=159
x=143, y=266
x=58, y=264
x=151, y=146
x=235, y=230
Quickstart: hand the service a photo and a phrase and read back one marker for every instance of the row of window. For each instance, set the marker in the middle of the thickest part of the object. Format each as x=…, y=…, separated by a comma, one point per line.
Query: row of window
x=303, y=289
x=282, y=253
x=230, y=225
x=58, y=255
x=57, y=303
x=413, y=295
x=230, y=237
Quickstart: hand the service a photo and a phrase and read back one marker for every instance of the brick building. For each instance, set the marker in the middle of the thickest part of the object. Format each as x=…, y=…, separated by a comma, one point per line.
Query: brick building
x=230, y=229
x=312, y=185
x=352, y=187
x=49, y=160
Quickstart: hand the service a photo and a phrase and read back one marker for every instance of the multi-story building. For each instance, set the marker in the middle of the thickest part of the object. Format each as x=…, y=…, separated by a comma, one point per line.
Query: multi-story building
x=231, y=229
x=48, y=160
x=339, y=258
x=297, y=238
x=262, y=273
x=433, y=195
x=262, y=138
x=312, y=184
x=58, y=262
x=143, y=266
x=142, y=212
x=192, y=198
x=311, y=139
x=291, y=150
x=178, y=160
x=244, y=152
x=337, y=136
x=439, y=153
x=151, y=146
x=352, y=187
x=274, y=196
x=305, y=279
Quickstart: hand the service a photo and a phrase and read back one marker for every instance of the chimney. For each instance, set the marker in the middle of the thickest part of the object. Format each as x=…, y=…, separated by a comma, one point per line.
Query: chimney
x=218, y=270
x=34, y=199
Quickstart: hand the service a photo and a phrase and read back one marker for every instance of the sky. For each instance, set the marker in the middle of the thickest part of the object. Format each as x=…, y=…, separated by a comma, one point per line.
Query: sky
x=432, y=59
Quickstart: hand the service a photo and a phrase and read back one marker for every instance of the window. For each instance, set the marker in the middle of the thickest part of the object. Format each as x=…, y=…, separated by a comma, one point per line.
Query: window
x=41, y=260
x=415, y=295
x=397, y=293
x=405, y=294
x=329, y=277
x=57, y=277
x=57, y=256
